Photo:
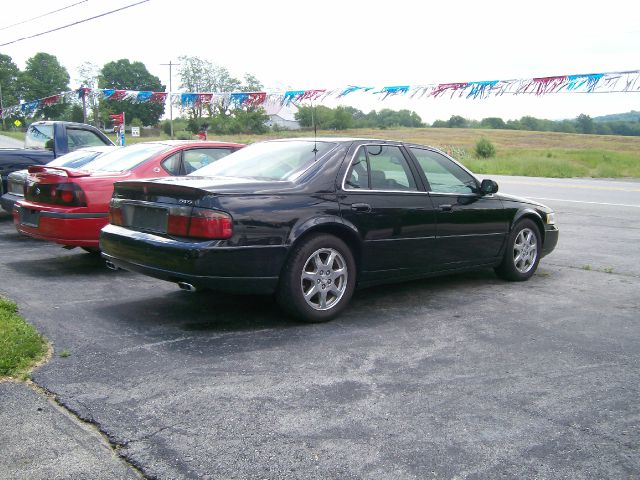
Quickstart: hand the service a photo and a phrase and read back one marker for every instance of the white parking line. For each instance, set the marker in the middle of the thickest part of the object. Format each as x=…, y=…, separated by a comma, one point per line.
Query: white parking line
x=583, y=201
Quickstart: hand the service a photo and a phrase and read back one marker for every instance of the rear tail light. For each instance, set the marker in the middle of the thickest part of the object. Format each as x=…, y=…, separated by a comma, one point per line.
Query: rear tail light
x=210, y=224
x=67, y=194
x=200, y=223
x=115, y=214
x=192, y=222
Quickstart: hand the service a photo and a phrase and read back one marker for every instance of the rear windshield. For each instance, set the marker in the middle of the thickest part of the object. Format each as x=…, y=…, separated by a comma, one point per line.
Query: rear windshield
x=126, y=158
x=75, y=159
x=39, y=137
x=268, y=160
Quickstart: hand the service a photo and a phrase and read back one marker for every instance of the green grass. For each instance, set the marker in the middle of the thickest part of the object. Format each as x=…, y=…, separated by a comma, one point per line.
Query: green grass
x=539, y=154
x=21, y=346
x=13, y=134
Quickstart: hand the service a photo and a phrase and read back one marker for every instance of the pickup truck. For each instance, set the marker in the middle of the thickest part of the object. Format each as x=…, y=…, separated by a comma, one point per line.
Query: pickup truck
x=45, y=141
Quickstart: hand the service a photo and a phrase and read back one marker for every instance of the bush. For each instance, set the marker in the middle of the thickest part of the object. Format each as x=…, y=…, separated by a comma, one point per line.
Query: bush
x=485, y=149
x=183, y=135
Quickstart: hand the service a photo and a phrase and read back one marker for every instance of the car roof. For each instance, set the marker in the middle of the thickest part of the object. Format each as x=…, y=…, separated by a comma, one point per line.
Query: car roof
x=204, y=143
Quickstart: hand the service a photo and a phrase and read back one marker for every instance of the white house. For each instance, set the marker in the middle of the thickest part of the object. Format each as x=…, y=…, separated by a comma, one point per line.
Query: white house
x=282, y=116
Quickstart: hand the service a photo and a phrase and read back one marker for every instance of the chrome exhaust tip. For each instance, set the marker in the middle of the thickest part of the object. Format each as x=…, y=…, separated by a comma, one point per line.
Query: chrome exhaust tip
x=186, y=286
x=111, y=265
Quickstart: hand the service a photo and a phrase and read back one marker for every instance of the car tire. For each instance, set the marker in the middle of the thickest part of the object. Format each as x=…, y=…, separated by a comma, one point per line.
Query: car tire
x=318, y=280
x=522, y=254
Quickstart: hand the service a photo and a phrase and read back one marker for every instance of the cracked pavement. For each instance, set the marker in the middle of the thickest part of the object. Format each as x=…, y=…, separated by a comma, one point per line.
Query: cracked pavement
x=462, y=376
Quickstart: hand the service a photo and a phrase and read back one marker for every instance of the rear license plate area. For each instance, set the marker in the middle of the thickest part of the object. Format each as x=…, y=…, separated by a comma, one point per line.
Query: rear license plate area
x=28, y=217
x=147, y=218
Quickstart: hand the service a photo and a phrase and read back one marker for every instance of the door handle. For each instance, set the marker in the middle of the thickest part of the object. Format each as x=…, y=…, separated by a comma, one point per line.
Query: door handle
x=361, y=207
x=446, y=208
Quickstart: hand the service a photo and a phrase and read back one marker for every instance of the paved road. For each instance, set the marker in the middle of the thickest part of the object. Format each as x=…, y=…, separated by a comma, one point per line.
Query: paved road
x=459, y=377
x=8, y=142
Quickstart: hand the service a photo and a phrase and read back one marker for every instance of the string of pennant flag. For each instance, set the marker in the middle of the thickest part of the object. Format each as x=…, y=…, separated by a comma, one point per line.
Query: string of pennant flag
x=610, y=82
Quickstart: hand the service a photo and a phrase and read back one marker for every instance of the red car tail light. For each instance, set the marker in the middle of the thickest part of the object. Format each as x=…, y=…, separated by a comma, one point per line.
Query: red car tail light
x=178, y=223
x=67, y=194
x=201, y=223
x=210, y=224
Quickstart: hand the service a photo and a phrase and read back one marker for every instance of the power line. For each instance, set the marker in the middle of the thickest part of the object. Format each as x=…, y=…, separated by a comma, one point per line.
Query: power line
x=74, y=23
x=43, y=15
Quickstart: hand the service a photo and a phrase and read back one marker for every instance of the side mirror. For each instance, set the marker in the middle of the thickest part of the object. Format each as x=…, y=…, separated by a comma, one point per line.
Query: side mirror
x=488, y=186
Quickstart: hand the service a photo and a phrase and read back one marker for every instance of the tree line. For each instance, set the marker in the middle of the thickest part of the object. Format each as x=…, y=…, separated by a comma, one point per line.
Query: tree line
x=581, y=124
x=341, y=118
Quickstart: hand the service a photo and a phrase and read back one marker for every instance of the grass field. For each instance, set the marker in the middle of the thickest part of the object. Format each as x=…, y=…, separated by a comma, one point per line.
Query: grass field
x=21, y=346
x=540, y=154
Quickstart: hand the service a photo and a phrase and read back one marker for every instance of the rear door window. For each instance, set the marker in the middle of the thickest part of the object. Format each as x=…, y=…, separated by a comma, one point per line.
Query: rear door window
x=380, y=167
x=79, y=138
x=197, y=158
x=173, y=164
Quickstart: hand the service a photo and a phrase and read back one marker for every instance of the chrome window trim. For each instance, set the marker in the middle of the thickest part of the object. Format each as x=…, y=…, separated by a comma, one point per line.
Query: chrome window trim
x=344, y=178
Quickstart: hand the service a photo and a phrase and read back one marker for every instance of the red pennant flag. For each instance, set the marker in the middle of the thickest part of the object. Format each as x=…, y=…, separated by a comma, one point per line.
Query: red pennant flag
x=117, y=118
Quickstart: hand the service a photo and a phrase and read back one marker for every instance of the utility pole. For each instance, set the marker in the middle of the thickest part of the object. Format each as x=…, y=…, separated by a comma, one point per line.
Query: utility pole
x=2, y=109
x=170, y=64
x=84, y=105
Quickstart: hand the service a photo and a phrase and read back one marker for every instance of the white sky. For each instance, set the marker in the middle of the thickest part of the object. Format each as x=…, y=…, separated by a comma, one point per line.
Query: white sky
x=326, y=44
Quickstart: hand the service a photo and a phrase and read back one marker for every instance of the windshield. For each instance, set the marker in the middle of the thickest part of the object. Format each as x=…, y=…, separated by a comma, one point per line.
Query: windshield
x=39, y=137
x=268, y=160
x=126, y=158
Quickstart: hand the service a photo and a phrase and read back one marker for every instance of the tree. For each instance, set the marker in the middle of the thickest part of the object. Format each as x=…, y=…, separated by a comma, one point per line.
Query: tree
x=88, y=74
x=8, y=81
x=43, y=77
x=585, y=124
x=456, y=121
x=492, y=122
x=342, y=119
x=530, y=123
x=125, y=75
x=323, y=117
x=202, y=76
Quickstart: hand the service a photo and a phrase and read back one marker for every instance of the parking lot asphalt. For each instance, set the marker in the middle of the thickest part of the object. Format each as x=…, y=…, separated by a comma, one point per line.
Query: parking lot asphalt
x=463, y=376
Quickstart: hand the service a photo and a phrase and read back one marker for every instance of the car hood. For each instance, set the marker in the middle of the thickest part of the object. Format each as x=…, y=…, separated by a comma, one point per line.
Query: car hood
x=513, y=198
x=215, y=185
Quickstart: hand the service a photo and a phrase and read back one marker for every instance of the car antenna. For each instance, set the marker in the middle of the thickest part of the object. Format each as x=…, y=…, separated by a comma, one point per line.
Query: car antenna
x=315, y=129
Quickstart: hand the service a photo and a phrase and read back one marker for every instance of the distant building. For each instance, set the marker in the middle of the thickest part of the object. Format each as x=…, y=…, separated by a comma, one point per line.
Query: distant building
x=281, y=116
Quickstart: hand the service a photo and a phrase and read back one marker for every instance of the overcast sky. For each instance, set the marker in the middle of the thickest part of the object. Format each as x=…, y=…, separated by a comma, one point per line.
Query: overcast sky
x=327, y=44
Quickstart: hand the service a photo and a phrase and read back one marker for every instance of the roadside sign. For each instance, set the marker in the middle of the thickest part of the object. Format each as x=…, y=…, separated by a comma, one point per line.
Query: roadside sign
x=17, y=123
x=135, y=131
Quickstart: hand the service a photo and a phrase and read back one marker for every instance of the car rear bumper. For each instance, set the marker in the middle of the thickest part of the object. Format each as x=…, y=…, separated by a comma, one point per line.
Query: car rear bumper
x=72, y=229
x=551, y=235
x=250, y=269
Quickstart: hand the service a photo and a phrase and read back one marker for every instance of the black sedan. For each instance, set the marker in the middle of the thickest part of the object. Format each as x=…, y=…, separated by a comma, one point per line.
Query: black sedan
x=311, y=219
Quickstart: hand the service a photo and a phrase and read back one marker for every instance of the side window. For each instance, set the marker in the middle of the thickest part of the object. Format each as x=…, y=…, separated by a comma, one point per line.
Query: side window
x=201, y=157
x=82, y=138
x=39, y=136
x=358, y=175
x=442, y=174
x=172, y=164
x=389, y=169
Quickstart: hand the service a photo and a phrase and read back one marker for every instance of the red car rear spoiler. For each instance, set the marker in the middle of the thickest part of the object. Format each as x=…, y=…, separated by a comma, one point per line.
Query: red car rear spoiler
x=71, y=172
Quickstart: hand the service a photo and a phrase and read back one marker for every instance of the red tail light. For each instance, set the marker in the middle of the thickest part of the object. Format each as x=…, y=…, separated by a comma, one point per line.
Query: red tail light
x=201, y=223
x=210, y=224
x=68, y=194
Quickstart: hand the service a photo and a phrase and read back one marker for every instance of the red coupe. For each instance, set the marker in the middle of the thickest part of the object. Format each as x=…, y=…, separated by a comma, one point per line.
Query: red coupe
x=70, y=206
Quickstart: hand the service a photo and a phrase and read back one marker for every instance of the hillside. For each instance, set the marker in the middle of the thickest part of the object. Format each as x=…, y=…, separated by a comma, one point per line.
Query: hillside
x=631, y=116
